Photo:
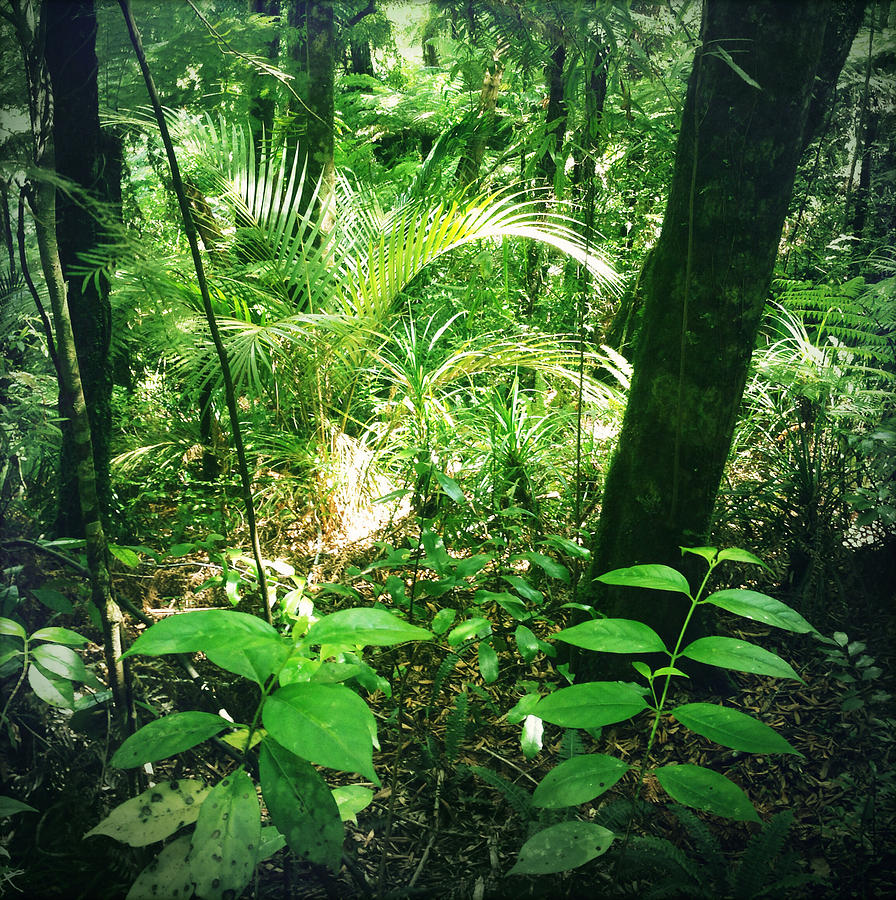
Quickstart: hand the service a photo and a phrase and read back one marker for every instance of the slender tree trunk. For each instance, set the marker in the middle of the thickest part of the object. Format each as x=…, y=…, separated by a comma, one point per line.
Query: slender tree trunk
x=705, y=291
x=468, y=168
x=312, y=126
x=262, y=89
x=555, y=115
x=71, y=59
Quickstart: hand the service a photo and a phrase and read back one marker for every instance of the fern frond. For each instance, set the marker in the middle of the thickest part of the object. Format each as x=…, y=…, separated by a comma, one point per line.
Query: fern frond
x=456, y=726
x=706, y=844
x=517, y=798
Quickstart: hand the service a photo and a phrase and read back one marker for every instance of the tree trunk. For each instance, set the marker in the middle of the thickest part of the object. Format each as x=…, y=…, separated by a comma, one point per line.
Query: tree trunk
x=71, y=59
x=312, y=126
x=471, y=162
x=705, y=291
x=262, y=92
x=555, y=116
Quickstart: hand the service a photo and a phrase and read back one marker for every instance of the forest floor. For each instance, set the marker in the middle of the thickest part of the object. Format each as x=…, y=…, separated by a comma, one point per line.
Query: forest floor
x=453, y=807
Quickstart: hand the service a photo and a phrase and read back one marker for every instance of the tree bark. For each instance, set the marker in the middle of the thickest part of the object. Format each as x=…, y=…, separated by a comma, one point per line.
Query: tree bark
x=471, y=162
x=736, y=159
x=555, y=115
x=79, y=144
x=312, y=126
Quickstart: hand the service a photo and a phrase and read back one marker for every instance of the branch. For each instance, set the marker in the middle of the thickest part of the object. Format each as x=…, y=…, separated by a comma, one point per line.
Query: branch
x=367, y=11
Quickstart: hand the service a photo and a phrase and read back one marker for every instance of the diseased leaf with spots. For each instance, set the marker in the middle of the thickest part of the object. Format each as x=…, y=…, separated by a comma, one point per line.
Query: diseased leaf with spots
x=155, y=814
x=227, y=839
x=168, y=875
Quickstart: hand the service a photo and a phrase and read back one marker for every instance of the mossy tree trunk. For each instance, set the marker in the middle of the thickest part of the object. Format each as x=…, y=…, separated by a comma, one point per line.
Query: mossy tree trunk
x=740, y=141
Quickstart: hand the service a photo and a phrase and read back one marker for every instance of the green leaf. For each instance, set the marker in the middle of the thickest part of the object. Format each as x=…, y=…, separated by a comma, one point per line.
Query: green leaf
x=8, y=626
x=471, y=565
x=704, y=789
x=442, y=620
x=329, y=725
x=475, y=627
x=235, y=641
x=301, y=805
x=642, y=669
x=742, y=656
x=591, y=705
x=507, y=601
x=760, y=608
x=155, y=814
x=351, y=799
x=565, y=545
x=653, y=577
x=125, y=555
x=578, y=780
x=51, y=689
x=168, y=875
x=523, y=588
x=61, y=661
x=522, y=708
x=451, y=488
x=526, y=643
x=613, y=636
x=53, y=599
x=227, y=839
x=181, y=550
x=561, y=847
x=731, y=728
x=166, y=737
x=735, y=554
x=58, y=635
x=369, y=627
x=707, y=553
x=488, y=663
x=271, y=842
x=550, y=566
x=9, y=806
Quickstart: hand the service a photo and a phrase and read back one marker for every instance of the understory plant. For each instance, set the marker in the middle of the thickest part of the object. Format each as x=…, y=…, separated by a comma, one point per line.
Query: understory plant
x=306, y=715
x=593, y=705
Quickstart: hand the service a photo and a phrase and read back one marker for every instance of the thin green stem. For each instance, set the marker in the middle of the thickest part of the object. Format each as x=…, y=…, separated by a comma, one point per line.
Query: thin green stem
x=15, y=690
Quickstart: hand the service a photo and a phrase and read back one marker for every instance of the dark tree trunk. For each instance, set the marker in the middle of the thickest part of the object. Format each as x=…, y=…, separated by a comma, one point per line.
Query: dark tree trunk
x=705, y=291
x=314, y=56
x=72, y=63
x=555, y=115
x=595, y=99
x=361, y=57
x=262, y=88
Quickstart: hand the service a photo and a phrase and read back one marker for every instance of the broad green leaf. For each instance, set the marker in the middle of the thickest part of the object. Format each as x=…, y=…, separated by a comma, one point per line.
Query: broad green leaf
x=367, y=627
x=351, y=799
x=760, y=608
x=475, y=627
x=705, y=789
x=53, y=599
x=168, y=875
x=227, y=839
x=523, y=588
x=742, y=656
x=507, y=601
x=565, y=545
x=9, y=806
x=531, y=736
x=125, y=555
x=707, y=553
x=155, y=814
x=642, y=669
x=271, y=842
x=561, y=847
x=178, y=550
x=329, y=725
x=443, y=619
x=654, y=577
x=578, y=780
x=192, y=632
x=50, y=688
x=549, y=565
x=58, y=635
x=451, y=488
x=167, y=736
x=8, y=626
x=591, y=705
x=735, y=554
x=613, y=636
x=235, y=641
x=488, y=663
x=522, y=708
x=61, y=661
x=301, y=805
x=526, y=643
x=670, y=670
x=731, y=728
x=469, y=566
